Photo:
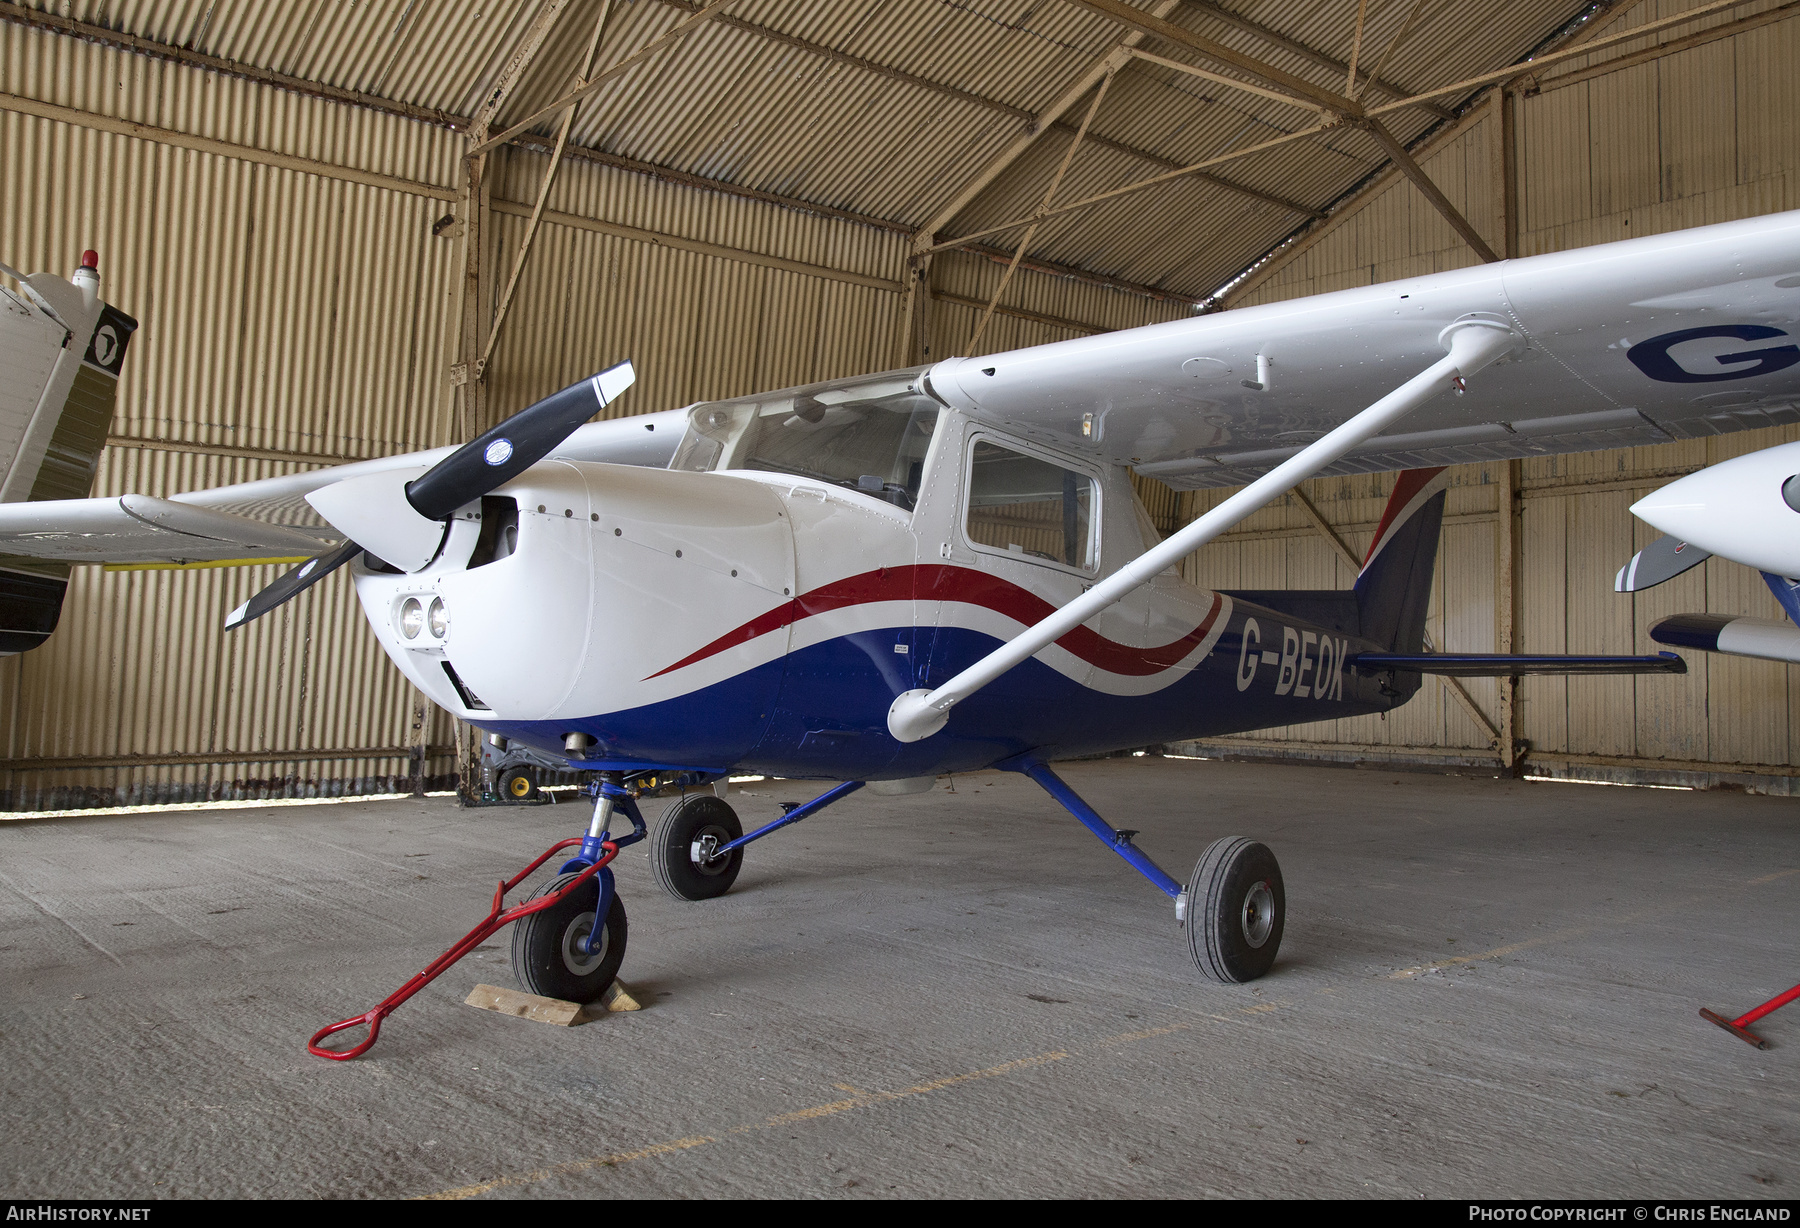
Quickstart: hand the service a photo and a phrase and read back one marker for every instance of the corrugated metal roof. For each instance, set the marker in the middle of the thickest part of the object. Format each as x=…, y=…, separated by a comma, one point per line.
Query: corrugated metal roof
x=886, y=107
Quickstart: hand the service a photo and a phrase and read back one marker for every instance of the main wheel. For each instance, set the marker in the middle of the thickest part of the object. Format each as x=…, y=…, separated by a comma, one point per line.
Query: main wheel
x=519, y=783
x=1236, y=909
x=682, y=851
x=548, y=947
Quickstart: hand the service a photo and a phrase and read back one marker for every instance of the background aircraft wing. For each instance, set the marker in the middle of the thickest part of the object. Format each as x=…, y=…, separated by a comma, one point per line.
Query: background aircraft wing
x=1673, y=336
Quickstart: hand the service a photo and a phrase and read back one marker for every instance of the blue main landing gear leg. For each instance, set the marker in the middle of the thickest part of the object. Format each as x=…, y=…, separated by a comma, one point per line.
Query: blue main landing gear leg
x=698, y=847
x=1233, y=908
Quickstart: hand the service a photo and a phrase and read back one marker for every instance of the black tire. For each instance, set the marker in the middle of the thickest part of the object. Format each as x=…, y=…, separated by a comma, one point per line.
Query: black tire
x=518, y=783
x=1237, y=908
x=544, y=956
x=677, y=848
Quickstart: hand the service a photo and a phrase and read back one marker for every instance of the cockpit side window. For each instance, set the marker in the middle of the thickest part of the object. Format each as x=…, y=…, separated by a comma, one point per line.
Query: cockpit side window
x=1029, y=506
x=869, y=434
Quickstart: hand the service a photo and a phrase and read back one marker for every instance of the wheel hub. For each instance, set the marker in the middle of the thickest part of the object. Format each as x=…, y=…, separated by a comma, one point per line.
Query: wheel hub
x=1259, y=913
x=575, y=956
x=704, y=851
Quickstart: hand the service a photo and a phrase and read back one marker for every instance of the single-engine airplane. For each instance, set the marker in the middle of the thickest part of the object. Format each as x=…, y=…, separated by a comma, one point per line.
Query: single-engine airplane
x=885, y=578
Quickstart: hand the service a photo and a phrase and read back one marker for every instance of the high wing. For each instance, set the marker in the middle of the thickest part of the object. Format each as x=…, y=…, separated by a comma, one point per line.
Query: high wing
x=268, y=519
x=1674, y=336
x=1644, y=341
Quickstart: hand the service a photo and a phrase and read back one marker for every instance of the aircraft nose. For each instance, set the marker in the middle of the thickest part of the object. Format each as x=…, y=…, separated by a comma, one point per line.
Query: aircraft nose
x=1737, y=509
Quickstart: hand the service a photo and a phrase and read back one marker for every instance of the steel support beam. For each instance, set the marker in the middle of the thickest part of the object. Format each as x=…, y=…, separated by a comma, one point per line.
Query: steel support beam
x=1508, y=537
x=1020, y=313
x=1539, y=63
x=968, y=98
x=1312, y=55
x=1111, y=62
x=1155, y=25
x=149, y=48
x=1049, y=196
x=648, y=51
x=1301, y=92
x=1729, y=30
x=1243, y=151
x=1285, y=254
x=1503, y=170
x=469, y=373
x=543, y=195
x=1398, y=155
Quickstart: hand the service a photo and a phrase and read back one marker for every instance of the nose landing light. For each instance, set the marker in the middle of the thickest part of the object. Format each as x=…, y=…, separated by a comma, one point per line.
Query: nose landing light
x=417, y=617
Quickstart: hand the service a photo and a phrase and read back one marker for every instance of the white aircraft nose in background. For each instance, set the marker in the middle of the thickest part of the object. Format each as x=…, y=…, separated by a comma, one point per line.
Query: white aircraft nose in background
x=1736, y=509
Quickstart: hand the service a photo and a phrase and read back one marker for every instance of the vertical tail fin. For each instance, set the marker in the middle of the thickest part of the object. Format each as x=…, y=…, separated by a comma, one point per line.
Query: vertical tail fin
x=1394, y=587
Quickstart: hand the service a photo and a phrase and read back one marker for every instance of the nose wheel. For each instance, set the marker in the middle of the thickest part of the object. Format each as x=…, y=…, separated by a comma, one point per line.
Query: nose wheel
x=684, y=851
x=1237, y=907
x=554, y=953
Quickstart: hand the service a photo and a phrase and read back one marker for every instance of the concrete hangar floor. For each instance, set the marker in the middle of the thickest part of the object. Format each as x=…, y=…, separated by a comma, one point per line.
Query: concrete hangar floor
x=1487, y=988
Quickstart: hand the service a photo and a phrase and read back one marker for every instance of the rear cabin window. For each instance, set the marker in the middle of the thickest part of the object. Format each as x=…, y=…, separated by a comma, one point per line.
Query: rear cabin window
x=1031, y=507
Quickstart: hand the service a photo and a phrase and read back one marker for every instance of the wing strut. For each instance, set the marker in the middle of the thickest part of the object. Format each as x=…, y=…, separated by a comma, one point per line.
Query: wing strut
x=1470, y=344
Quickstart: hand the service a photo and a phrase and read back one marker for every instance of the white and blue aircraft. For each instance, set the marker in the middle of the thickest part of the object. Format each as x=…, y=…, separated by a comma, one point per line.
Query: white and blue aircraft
x=885, y=578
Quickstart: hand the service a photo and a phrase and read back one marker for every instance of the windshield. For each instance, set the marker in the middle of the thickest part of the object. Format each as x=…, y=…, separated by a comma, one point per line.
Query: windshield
x=869, y=434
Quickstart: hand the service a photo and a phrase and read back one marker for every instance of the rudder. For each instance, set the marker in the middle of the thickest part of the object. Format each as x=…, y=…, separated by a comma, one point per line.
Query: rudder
x=1393, y=590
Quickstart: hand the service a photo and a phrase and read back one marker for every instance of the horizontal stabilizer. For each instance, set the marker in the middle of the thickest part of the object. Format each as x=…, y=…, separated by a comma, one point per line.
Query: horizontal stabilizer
x=1509, y=665
x=1663, y=559
x=1769, y=639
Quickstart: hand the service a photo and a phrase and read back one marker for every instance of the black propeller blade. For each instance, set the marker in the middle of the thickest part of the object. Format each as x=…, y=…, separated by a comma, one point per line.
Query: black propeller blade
x=293, y=584
x=490, y=460
x=501, y=454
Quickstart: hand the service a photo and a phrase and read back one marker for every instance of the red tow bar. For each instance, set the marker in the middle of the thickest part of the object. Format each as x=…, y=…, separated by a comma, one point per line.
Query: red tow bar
x=1740, y=1027
x=496, y=919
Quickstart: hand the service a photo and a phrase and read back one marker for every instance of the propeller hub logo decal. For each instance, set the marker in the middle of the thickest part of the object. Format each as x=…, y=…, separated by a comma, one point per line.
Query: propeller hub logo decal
x=498, y=452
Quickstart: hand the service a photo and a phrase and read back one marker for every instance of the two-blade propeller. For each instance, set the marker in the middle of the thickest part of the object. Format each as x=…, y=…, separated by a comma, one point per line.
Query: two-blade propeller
x=402, y=522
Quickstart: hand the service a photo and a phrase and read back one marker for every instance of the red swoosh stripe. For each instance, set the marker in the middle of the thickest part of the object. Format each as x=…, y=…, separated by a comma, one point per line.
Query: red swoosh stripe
x=936, y=582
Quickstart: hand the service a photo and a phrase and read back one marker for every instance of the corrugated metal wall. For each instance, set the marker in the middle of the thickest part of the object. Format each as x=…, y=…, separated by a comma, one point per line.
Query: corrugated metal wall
x=296, y=308
x=1704, y=135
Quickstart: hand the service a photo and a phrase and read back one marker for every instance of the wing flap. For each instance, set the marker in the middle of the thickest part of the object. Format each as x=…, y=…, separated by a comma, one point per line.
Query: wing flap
x=1457, y=445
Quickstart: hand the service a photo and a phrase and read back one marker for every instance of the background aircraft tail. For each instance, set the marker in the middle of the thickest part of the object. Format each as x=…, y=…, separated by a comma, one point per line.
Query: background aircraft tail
x=1393, y=589
x=61, y=348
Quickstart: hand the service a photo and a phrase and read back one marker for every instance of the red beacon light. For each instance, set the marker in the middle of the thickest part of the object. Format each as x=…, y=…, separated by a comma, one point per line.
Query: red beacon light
x=90, y=259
